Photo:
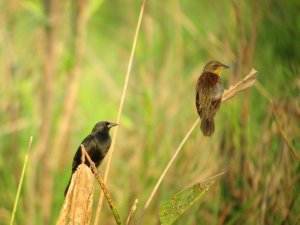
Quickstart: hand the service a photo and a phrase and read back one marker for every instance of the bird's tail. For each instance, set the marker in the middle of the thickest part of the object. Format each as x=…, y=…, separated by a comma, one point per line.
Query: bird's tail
x=67, y=188
x=207, y=126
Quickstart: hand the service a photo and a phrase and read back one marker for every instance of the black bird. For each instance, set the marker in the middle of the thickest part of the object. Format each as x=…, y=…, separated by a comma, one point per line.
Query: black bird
x=96, y=144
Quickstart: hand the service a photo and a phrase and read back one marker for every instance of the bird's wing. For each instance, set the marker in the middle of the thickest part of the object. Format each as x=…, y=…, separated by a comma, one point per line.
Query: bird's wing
x=198, y=106
x=206, y=84
x=90, y=139
x=202, y=94
x=88, y=143
x=215, y=105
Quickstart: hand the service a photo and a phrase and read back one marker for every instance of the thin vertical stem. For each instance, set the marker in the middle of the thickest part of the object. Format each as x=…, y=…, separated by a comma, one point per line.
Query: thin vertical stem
x=20, y=183
x=120, y=108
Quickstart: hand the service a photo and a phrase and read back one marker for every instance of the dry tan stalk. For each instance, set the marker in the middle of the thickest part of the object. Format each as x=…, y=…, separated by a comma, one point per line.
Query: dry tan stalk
x=77, y=207
x=79, y=27
x=41, y=153
x=102, y=185
x=244, y=84
x=100, y=202
x=132, y=210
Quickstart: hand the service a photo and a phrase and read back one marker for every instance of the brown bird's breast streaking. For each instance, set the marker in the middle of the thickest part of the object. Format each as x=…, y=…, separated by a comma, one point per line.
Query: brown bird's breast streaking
x=209, y=90
x=96, y=144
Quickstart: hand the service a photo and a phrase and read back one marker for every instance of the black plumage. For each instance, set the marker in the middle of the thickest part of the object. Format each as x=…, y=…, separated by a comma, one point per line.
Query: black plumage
x=97, y=144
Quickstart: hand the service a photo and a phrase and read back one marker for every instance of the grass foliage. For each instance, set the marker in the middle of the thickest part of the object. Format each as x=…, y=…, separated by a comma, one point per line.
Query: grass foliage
x=175, y=41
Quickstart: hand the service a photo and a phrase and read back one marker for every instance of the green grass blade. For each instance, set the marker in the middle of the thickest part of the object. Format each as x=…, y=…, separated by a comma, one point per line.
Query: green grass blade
x=20, y=183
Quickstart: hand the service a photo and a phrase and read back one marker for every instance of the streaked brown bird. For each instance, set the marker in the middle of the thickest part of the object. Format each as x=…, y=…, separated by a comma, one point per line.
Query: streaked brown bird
x=209, y=92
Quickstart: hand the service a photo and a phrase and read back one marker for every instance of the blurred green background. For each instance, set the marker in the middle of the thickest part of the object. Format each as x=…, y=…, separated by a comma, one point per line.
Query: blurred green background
x=63, y=65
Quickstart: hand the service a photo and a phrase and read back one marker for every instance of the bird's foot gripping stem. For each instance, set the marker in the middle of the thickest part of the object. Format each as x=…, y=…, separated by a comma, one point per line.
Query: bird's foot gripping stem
x=92, y=166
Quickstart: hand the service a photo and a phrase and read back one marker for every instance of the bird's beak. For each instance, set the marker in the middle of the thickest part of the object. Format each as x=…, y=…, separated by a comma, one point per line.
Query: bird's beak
x=112, y=124
x=225, y=67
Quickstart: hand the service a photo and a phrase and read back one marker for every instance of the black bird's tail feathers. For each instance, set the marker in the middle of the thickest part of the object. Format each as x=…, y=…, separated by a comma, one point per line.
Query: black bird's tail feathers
x=207, y=126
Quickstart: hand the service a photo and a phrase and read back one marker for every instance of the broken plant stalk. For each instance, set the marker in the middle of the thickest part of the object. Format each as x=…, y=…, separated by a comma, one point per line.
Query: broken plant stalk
x=103, y=187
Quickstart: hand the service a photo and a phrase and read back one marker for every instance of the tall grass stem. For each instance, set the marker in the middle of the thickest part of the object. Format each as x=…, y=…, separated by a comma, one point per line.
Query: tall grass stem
x=20, y=183
x=120, y=109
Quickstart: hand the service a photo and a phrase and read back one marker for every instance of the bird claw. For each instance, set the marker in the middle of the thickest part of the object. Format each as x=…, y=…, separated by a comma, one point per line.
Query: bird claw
x=92, y=166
